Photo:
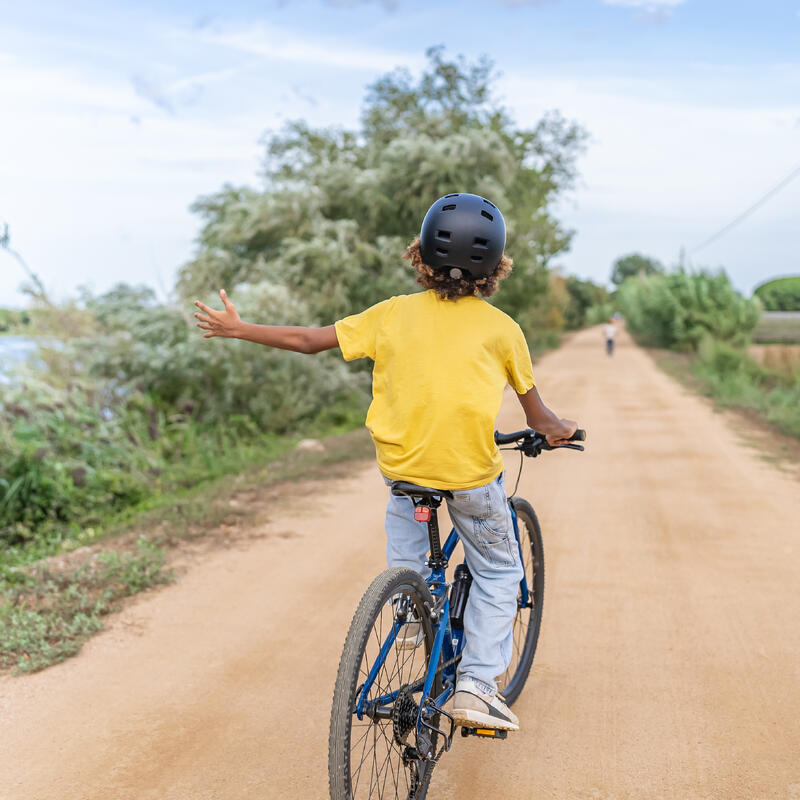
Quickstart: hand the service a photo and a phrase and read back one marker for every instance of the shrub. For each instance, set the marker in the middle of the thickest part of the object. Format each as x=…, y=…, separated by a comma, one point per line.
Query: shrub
x=679, y=309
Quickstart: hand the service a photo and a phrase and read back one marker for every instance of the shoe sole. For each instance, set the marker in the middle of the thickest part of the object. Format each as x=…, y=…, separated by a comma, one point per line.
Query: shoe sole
x=408, y=644
x=469, y=718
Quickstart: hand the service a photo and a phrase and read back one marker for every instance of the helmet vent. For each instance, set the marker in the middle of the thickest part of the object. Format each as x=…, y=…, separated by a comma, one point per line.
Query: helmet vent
x=481, y=243
x=451, y=206
x=456, y=195
x=484, y=213
x=488, y=203
x=443, y=235
x=440, y=251
x=476, y=259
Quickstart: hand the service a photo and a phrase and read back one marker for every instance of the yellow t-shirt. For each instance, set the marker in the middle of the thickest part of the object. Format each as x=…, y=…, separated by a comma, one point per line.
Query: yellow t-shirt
x=440, y=370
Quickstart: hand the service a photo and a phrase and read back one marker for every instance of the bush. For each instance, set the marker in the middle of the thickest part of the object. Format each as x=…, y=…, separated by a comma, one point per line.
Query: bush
x=679, y=309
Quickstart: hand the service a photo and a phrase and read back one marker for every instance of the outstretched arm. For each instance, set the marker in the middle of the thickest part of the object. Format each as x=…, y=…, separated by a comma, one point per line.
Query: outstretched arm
x=228, y=323
x=542, y=419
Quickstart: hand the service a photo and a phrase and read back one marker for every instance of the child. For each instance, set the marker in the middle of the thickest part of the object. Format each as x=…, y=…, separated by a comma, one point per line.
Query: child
x=442, y=360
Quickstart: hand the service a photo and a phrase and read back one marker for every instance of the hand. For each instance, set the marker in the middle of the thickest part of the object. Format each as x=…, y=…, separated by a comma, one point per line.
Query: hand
x=568, y=428
x=218, y=323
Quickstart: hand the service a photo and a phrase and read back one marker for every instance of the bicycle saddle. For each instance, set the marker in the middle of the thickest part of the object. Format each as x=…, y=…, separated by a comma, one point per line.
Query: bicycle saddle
x=412, y=490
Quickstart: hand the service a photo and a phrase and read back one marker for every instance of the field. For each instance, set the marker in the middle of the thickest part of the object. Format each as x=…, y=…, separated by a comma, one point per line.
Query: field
x=778, y=326
x=779, y=357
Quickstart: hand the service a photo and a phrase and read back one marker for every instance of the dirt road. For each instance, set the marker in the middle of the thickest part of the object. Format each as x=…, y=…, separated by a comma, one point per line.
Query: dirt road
x=669, y=663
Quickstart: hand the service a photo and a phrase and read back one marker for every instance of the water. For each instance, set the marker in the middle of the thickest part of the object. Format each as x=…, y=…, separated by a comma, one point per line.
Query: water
x=14, y=350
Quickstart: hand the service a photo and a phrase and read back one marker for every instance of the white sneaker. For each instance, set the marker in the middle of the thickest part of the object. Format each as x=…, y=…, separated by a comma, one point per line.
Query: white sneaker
x=410, y=636
x=473, y=708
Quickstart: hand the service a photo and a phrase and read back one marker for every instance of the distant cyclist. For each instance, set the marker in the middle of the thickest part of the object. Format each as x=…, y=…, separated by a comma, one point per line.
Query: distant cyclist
x=443, y=358
x=611, y=334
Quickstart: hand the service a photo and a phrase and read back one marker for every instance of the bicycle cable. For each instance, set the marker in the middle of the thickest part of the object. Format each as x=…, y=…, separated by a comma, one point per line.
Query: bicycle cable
x=519, y=474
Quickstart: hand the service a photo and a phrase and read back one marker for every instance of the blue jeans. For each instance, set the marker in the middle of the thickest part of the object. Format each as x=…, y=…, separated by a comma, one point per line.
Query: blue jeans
x=483, y=522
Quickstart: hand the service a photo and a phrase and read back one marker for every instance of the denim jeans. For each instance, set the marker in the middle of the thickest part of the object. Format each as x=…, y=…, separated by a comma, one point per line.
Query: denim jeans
x=483, y=522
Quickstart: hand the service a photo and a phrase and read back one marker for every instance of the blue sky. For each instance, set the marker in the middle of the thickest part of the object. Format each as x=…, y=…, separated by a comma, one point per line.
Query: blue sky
x=115, y=117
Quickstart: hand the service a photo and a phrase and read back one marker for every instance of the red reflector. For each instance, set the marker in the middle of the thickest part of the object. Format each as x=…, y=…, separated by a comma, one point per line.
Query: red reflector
x=422, y=514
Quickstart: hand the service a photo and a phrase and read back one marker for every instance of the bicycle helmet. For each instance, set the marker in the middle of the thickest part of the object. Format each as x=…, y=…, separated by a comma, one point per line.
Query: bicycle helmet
x=464, y=232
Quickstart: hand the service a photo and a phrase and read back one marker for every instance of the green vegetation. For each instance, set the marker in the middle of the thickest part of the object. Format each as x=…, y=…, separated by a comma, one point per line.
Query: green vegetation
x=781, y=294
x=632, y=265
x=736, y=380
x=47, y=615
x=702, y=314
x=12, y=321
x=339, y=206
x=678, y=310
x=135, y=413
x=588, y=303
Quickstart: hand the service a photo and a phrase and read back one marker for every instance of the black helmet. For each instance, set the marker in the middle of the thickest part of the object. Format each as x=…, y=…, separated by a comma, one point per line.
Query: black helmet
x=463, y=231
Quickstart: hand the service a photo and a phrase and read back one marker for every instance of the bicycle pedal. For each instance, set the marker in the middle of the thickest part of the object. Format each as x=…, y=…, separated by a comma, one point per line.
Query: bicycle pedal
x=484, y=733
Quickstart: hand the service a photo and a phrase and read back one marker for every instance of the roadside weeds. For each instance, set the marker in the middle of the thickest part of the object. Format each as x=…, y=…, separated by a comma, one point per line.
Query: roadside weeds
x=50, y=608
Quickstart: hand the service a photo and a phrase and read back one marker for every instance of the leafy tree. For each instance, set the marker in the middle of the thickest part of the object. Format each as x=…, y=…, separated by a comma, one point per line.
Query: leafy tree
x=781, y=294
x=633, y=264
x=337, y=207
x=583, y=295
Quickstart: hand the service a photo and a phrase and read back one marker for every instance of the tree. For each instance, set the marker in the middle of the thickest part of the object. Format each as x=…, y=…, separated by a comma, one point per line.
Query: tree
x=633, y=264
x=337, y=207
x=781, y=294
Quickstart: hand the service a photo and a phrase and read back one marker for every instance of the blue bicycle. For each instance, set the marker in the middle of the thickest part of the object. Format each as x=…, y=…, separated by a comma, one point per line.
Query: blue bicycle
x=398, y=667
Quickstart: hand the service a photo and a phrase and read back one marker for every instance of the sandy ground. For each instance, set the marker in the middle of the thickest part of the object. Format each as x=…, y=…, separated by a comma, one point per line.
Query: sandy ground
x=669, y=663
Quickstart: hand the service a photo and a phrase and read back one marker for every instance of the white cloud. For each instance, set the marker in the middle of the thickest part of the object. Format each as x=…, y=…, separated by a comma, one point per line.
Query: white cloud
x=277, y=45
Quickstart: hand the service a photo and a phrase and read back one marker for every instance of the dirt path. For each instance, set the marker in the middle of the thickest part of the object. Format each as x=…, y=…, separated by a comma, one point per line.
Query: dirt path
x=669, y=664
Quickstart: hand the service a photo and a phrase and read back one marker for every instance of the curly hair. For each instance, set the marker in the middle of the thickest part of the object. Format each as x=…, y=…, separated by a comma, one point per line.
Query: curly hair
x=450, y=288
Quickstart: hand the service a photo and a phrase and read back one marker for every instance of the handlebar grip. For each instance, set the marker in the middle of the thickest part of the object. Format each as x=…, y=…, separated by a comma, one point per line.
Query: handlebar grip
x=578, y=436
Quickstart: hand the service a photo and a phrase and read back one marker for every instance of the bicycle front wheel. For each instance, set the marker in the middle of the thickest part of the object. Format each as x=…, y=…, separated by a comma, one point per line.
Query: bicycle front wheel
x=528, y=620
x=372, y=756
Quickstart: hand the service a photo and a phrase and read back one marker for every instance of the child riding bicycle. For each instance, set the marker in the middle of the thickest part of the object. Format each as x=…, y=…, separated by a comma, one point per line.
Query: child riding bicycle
x=442, y=360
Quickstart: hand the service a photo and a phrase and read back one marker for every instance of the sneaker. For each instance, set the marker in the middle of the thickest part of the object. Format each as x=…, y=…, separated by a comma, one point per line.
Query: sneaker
x=410, y=636
x=473, y=708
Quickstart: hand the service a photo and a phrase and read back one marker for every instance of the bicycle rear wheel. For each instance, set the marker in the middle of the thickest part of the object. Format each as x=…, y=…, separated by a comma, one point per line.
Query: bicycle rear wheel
x=370, y=757
x=528, y=620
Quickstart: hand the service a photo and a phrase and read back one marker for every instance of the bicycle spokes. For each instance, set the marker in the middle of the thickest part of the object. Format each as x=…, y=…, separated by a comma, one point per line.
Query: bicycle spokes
x=382, y=741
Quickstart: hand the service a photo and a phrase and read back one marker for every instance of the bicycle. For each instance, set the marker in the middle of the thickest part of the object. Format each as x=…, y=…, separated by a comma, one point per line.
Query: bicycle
x=383, y=696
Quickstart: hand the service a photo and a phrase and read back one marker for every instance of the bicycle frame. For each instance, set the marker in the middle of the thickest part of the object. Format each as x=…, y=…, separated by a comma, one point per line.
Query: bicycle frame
x=448, y=642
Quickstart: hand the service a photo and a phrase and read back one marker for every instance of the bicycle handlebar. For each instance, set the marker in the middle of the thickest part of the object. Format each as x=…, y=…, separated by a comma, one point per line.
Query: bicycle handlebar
x=532, y=442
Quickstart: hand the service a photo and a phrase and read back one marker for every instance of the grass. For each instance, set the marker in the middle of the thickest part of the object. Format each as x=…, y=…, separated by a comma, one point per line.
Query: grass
x=46, y=615
x=767, y=399
x=50, y=606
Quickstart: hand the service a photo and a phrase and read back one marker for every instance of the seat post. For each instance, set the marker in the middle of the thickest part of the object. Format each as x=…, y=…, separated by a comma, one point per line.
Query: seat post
x=437, y=558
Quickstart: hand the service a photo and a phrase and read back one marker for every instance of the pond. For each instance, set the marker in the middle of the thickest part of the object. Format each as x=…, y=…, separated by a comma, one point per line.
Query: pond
x=14, y=350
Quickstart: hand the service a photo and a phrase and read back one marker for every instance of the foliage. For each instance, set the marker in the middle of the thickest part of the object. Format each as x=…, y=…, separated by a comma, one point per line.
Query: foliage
x=781, y=294
x=47, y=615
x=11, y=319
x=599, y=313
x=585, y=298
x=734, y=379
x=679, y=309
x=338, y=206
x=632, y=265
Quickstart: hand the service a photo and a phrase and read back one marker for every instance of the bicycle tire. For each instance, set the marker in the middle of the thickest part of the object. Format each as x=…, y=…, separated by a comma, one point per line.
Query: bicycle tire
x=527, y=619
x=350, y=678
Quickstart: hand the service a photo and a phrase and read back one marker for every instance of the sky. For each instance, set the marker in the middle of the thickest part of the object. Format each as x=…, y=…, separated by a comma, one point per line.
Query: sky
x=115, y=117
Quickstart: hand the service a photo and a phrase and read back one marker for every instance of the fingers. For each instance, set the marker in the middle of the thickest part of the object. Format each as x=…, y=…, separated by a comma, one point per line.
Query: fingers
x=223, y=295
x=205, y=326
x=209, y=335
x=203, y=307
x=202, y=318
